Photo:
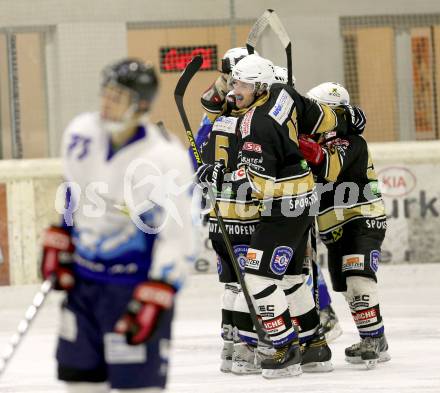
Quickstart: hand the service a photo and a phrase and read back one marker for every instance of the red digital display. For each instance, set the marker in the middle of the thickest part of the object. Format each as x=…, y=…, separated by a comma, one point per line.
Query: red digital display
x=175, y=58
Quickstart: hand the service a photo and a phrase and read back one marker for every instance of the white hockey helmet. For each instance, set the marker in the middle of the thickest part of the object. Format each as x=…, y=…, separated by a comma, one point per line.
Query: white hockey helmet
x=232, y=57
x=330, y=93
x=256, y=70
x=281, y=75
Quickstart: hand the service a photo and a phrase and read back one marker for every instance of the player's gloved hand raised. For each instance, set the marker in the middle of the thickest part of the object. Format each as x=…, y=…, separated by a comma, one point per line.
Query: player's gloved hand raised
x=57, y=258
x=217, y=91
x=356, y=119
x=142, y=317
x=211, y=174
x=311, y=150
x=231, y=100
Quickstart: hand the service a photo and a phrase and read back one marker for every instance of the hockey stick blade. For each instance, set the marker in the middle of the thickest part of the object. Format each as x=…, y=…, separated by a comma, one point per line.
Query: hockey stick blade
x=271, y=18
x=183, y=82
x=279, y=29
x=187, y=74
x=257, y=29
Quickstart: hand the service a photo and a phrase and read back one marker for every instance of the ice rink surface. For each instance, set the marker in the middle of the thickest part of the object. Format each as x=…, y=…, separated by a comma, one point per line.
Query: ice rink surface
x=410, y=302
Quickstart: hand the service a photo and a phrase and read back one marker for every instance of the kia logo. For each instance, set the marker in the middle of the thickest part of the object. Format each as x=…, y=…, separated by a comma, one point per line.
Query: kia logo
x=396, y=181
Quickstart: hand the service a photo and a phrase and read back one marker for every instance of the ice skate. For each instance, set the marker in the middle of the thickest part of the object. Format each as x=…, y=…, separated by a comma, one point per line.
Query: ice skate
x=330, y=324
x=286, y=362
x=369, y=350
x=316, y=355
x=226, y=356
x=244, y=360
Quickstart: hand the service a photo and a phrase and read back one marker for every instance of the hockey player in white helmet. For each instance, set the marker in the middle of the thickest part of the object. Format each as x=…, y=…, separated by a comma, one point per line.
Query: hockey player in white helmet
x=300, y=300
x=330, y=93
x=353, y=236
x=234, y=311
x=329, y=321
x=336, y=96
x=213, y=99
x=121, y=262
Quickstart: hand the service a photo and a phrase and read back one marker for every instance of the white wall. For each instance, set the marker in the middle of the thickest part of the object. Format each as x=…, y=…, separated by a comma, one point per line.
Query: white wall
x=87, y=34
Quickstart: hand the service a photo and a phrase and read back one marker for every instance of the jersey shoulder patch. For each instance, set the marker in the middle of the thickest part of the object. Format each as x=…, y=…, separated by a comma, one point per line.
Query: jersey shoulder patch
x=282, y=107
x=225, y=124
x=246, y=121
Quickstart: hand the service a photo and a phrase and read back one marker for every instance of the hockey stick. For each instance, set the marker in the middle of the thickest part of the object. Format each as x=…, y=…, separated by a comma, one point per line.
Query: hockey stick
x=271, y=18
x=314, y=264
x=24, y=324
x=179, y=92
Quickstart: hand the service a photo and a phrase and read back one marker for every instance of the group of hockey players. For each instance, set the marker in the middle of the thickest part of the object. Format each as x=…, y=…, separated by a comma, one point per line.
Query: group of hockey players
x=276, y=159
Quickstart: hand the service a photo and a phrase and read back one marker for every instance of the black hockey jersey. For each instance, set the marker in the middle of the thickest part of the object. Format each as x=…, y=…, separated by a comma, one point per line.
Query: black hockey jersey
x=353, y=192
x=237, y=207
x=275, y=168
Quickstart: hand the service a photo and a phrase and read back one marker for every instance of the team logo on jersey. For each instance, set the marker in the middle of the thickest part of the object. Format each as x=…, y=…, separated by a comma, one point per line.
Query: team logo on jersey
x=253, y=258
x=280, y=111
x=338, y=144
x=352, y=262
x=374, y=260
x=240, y=252
x=337, y=234
x=250, y=146
x=245, y=125
x=219, y=266
x=239, y=174
x=280, y=259
x=225, y=124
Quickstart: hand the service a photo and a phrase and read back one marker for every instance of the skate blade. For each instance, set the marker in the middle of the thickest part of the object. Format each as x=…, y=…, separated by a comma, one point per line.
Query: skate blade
x=290, y=371
x=371, y=363
x=318, y=367
x=244, y=369
x=383, y=357
x=354, y=359
x=226, y=366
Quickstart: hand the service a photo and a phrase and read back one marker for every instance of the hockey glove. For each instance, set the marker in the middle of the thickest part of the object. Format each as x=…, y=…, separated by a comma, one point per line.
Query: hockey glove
x=311, y=150
x=57, y=258
x=356, y=119
x=142, y=317
x=214, y=97
x=231, y=101
x=211, y=174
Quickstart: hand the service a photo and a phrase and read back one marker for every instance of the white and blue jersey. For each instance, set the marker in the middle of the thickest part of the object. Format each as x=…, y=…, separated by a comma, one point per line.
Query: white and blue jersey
x=130, y=209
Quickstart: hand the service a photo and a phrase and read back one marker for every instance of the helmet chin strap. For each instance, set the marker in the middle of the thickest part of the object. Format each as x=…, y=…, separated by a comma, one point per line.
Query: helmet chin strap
x=116, y=127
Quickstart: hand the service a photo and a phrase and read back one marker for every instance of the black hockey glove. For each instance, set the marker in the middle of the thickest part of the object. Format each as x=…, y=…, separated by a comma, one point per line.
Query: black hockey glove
x=356, y=119
x=209, y=174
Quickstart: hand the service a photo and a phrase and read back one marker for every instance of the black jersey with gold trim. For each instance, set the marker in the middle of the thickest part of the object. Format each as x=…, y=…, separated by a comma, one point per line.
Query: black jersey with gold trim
x=349, y=189
x=275, y=168
x=240, y=212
